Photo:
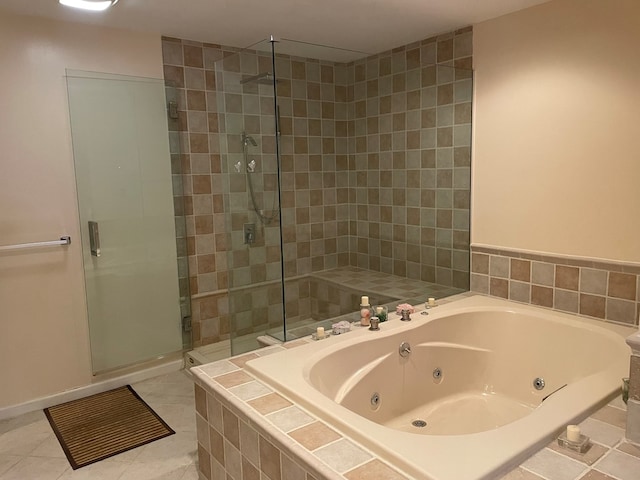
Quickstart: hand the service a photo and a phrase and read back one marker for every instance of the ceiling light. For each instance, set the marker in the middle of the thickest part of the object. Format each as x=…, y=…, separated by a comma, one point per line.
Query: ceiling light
x=94, y=5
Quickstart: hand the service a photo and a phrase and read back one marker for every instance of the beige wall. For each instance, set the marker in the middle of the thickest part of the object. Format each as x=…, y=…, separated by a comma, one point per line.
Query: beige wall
x=556, y=163
x=44, y=346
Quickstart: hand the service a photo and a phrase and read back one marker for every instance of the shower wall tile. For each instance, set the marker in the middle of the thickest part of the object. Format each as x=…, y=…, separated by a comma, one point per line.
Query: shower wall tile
x=601, y=290
x=409, y=127
x=374, y=170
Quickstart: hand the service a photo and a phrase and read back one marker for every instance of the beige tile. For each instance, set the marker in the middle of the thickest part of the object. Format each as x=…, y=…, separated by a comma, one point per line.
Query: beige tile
x=602, y=432
x=520, y=291
x=374, y=469
x=289, y=418
x=592, y=455
x=622, y=285
x=37, y=468
x=592, y=305
x=314, y=435
x=269, y=403
x=593, y=281
x=24, y=439
x=542, y=296
x=242, y=359
x=567, y=277
x=623, y=311
x=520, y=270
x=595, y=475
x=216, y=442
x=521, y=474
x=499, y=266
x=96, y=471
x=499, y=287
x=214, y=412
x=161, y=469
x=200, y=400
x=179, y=449
x=542, y=273
x=291, y=470
x=342, y=455
x=611, y=415
x=620, y=465
x=629, y=448
x=554, y=466
x=232, y=379
x=270, y=459
x=249, y=471
x=8, y=461
x=566, y=300
x=50, y=448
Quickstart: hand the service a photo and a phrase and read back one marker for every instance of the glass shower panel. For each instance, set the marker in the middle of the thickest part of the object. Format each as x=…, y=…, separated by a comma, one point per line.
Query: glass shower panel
x=372, y=160
x=249, y=150
x=123, y=176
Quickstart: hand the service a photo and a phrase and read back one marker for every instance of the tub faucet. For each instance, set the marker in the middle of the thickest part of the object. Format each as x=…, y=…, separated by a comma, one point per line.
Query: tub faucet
x=404, y=316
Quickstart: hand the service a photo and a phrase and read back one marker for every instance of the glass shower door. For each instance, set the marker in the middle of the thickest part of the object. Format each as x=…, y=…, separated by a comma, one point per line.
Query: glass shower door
x=123, y=176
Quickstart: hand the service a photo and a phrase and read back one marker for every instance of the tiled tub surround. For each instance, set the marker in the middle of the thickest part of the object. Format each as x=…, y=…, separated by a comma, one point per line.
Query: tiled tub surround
x=375, y=162
x=593, y=288
x=633, y=405
x=244, y=428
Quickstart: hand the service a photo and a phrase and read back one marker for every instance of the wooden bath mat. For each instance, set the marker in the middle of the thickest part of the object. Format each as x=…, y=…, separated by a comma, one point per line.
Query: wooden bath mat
x=100, y=426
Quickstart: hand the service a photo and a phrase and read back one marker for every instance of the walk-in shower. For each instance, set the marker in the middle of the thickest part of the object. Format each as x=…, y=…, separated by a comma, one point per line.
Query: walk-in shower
x=352, y=173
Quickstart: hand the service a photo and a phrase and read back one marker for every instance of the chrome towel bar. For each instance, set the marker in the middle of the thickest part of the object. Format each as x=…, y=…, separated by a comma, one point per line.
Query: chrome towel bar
x=66, y=240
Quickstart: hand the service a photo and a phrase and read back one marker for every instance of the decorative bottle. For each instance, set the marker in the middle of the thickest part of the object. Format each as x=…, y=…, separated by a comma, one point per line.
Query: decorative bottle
x=365, y=311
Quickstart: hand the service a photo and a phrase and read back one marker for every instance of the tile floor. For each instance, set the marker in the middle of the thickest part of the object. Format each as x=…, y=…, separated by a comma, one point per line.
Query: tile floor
x=29, y=449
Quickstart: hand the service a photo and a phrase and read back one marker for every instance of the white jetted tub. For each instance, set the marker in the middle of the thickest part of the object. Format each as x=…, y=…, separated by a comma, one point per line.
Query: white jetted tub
x=486, y=383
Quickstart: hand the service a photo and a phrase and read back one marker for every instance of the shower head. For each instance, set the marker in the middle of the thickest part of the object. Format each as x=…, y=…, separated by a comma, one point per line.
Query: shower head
x=264, y=78
x=248, y=140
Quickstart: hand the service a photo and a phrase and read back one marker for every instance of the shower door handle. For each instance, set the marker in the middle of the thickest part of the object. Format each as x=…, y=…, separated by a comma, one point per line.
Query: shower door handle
x=94, y=239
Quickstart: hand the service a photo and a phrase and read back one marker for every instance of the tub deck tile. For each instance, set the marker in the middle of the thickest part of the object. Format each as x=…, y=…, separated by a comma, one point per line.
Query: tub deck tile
x=374, y=469
x=554, y=466
x=314, y=435
x=629, y=448
x=590, y=457
x=521, y=474
x=343, y=455
x=601, y=432
x=250, y=390
x=620, y=465
x=611, y=415
x=596, y=475
x=290, y=418
x=269, y=403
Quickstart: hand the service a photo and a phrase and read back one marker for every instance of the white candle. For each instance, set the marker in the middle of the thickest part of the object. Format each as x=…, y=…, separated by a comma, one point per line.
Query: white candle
x=378, y=309
x=364, y=300
x=573, y=433
x=432, y=302
x=320, y=332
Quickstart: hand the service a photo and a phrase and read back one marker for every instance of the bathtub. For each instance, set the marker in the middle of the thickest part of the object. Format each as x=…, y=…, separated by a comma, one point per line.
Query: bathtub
x=487, y=382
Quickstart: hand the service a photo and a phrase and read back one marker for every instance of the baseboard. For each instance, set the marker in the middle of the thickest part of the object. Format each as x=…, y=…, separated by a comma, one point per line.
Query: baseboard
x=97, y=387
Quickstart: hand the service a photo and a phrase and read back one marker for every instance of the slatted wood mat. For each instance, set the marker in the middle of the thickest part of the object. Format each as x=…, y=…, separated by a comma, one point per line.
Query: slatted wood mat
x=100, y=426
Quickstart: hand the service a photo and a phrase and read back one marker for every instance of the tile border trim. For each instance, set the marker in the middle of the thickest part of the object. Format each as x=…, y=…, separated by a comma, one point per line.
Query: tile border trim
x=569, y=260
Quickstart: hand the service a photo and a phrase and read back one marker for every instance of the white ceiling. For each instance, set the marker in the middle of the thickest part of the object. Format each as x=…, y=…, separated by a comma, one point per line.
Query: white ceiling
x=369, y=26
